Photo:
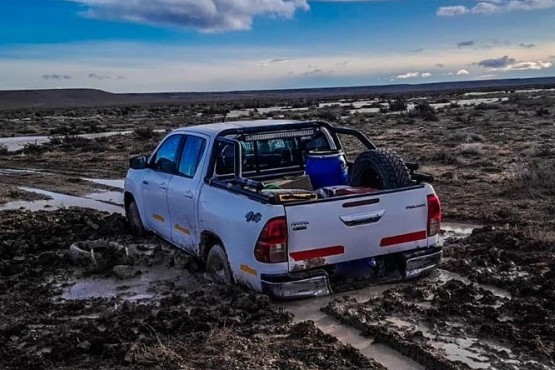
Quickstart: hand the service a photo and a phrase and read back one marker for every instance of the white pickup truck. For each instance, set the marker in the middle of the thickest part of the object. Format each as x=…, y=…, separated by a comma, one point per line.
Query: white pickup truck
x=277, y=206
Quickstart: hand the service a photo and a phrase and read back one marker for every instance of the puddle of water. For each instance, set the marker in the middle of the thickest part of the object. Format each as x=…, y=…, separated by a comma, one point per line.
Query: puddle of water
x=444, y=276
x=455, y=230
x=111, y=197
x=18, y=142
x=468, y=350
x=9, y=171
x=461, y=350
x=149, y=285
x=59, y=200
x=114, y=183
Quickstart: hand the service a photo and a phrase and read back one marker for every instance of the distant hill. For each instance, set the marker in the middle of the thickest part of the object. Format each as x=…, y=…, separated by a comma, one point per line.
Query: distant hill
x=19, y=99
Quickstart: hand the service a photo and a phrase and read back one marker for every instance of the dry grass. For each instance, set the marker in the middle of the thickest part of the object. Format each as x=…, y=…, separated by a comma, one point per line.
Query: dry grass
x=219, y=336
x=539, y=175
x=157, y=354
x=471, y=149
x=540, y=234
x=466, y=137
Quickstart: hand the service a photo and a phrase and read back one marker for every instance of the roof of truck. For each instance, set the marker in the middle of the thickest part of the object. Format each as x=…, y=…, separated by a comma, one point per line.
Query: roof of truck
x=214, y=129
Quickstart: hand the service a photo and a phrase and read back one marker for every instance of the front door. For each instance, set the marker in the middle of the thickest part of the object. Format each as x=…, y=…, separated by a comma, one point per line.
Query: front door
x=162, y=166
x=183, y=194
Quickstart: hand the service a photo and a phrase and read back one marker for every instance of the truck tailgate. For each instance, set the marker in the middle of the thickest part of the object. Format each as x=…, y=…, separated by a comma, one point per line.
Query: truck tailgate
x=349, y=228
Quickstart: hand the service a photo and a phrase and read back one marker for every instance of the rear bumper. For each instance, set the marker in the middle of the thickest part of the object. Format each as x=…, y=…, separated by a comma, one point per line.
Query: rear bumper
x=417, y=262
x=316, y=283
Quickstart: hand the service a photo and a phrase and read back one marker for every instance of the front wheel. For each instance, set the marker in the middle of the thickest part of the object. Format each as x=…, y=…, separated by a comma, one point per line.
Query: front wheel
x=217, y=265
x=134, y=219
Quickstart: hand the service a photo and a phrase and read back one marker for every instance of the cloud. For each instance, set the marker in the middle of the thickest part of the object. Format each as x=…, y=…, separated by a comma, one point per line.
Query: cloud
x=465, y=43
x=56, y=77
x=462, y=72
x=527, y=46
x=204, y=15
x=486, y=8
x=495, y=6
x=409, y=75
x=414, y=75
x=506, y=64
x=486, y=77
x=496, y=62
x=451, y=11
x=99, y=77
x=268, y=62
x=527, y=66
x=318, y=71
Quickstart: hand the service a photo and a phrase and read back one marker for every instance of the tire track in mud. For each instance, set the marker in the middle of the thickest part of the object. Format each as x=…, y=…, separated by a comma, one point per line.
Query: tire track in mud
x=313, y=310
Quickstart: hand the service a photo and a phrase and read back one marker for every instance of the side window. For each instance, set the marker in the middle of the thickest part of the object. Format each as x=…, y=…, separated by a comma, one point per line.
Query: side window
x=190, y=156
x=165, y=159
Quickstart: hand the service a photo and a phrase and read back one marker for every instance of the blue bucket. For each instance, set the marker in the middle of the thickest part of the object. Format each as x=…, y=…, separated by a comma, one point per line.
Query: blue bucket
x=327, y=168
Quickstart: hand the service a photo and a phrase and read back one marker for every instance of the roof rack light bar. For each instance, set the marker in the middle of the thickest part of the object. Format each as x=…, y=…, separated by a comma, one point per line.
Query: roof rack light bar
x=279, y=135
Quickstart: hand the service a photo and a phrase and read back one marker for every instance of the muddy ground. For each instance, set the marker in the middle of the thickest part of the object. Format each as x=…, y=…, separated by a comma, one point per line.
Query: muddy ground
x=198, y=325
x=490, y=306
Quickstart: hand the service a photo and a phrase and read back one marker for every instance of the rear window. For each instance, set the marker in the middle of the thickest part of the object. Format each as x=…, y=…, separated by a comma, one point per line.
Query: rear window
x=265, y=152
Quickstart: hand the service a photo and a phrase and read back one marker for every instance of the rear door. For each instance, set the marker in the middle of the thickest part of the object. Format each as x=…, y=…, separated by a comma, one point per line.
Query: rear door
x=349, y=228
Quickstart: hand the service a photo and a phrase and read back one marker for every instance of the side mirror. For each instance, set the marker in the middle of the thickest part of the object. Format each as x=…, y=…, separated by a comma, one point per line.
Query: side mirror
x=139, y=162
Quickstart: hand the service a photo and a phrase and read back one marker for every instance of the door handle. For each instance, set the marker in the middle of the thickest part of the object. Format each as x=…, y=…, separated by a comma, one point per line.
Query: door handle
x=145, y=182
x=163, y=186
x=188, y=194
x=362, y=218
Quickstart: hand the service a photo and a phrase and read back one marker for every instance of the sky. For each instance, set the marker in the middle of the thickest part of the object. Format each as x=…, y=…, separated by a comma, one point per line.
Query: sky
x=222, y=45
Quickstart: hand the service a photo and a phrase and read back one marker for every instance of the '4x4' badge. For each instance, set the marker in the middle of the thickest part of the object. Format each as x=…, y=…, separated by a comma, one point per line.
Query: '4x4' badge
x=253, y=217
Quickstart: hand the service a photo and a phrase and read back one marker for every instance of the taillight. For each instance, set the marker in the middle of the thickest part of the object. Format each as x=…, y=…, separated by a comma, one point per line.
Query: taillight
x=434, y=215
x=271, y=246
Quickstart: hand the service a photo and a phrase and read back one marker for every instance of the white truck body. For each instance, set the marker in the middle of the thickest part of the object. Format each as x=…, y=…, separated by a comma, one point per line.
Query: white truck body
x=192, y=212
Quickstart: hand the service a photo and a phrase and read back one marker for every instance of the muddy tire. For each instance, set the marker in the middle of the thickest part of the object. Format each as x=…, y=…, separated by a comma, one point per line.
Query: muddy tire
x=134, y=219
x=380, y=169
x=217, y=265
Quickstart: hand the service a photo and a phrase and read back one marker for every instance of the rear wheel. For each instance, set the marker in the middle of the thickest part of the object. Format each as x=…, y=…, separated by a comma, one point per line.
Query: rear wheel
x=217, y=265
x=380, y=169
x=134, y=219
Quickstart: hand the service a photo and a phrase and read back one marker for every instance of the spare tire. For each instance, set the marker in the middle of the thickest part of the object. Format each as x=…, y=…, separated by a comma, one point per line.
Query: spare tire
x=380, y=169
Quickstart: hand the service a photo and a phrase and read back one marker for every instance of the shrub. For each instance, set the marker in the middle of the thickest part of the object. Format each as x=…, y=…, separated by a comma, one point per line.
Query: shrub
x=3, y=149
x=143, y=133
x=539, y=175
x=542, y=112
x=425, y=111
x=399, y=104
x=445, y=157
x=34, y=148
